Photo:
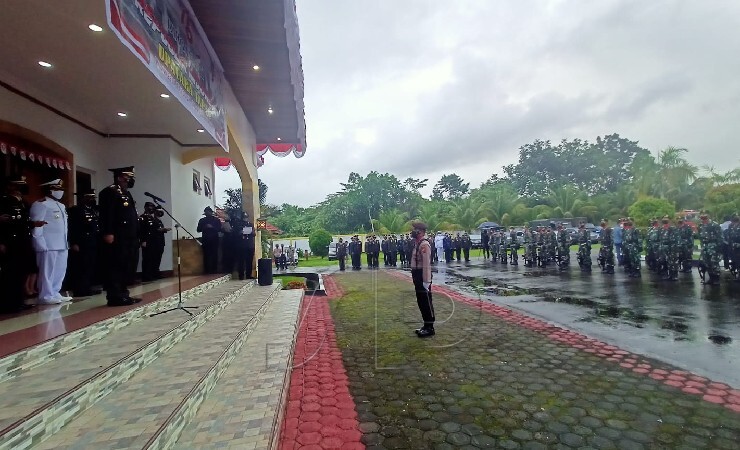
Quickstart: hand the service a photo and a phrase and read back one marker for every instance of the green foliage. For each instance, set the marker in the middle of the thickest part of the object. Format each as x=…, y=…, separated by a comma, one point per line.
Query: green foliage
x=263, y=191
x=319, y=241
x=392, y=221
x=233, y=202
x=650, y=207
x=450, y=187
x=467, y=213
x=723, y=201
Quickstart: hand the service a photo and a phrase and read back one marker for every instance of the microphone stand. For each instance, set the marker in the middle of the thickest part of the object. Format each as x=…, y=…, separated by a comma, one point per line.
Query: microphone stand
x=179, y=271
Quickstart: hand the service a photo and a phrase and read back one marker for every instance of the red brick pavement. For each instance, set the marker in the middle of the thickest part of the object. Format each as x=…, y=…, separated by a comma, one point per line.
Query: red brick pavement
x=320, y=413
x=688, y=382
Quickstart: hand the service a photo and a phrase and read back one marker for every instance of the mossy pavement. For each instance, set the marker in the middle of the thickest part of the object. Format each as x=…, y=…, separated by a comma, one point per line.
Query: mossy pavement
x=485, y=382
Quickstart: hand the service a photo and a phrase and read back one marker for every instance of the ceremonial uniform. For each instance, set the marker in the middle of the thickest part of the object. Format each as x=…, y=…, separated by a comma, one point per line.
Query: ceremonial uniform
x=119, y=222
x=15, y=248
x=209, y=227
x=243, y=233
x=151, y=235
x=84, y=234
x=50, y=241
x=341, y=254
x=466, y=245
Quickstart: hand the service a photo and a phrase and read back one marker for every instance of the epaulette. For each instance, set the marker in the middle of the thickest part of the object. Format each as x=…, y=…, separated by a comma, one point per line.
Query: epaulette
x=43, y=199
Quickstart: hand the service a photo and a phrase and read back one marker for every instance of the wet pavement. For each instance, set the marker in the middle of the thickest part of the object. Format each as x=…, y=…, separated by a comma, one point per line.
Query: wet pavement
x=496, y=378
x=683, y=323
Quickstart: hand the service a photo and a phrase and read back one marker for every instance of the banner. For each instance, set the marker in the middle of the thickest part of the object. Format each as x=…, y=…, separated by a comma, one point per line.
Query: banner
x=165, y=35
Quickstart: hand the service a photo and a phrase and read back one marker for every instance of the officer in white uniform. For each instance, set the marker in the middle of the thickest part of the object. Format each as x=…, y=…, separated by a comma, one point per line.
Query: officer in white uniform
x=50, y=243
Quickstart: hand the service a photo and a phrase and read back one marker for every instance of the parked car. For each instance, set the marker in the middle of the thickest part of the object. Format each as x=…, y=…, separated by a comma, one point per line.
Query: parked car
x=475, y=239
x=332, y=251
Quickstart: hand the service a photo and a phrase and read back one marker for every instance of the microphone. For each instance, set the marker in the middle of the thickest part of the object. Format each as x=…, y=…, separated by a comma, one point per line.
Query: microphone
x=154, y=197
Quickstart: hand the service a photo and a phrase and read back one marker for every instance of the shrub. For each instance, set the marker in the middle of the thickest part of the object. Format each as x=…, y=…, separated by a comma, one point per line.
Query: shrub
x=650, y=207
x=319, y=241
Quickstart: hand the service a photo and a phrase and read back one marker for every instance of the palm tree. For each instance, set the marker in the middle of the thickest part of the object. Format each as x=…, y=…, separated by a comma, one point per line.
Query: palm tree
x=499, y=202
x=467, y=213
x=675, y=174
x=432, y=214
x=392, y=221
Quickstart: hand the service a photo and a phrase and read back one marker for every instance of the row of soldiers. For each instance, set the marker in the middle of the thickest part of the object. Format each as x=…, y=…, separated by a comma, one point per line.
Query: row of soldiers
x=668, y=247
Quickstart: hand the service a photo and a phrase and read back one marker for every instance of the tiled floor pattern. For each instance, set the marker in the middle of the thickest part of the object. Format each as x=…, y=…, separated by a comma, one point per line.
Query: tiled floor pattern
x=84, y=376
x=130, y=415
x=241, y=411
x=320, y=413
x=688, y=382
x=90, y=325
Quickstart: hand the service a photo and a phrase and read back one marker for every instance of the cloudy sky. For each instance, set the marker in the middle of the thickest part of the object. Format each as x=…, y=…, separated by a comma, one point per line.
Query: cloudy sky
x=422, y=88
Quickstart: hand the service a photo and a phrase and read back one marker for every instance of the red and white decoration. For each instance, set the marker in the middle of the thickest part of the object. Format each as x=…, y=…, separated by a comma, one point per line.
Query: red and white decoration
x=34, y=157
x=279, y=150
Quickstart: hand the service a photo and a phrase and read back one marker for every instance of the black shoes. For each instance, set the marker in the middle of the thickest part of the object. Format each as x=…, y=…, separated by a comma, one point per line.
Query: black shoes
x=124, y=301
x=424, y=332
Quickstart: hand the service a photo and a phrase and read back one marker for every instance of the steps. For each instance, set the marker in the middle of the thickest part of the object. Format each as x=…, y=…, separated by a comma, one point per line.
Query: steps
x=166, y=381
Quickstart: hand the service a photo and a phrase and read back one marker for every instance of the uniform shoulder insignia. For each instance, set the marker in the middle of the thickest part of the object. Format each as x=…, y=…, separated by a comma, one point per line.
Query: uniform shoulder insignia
x=43, y=199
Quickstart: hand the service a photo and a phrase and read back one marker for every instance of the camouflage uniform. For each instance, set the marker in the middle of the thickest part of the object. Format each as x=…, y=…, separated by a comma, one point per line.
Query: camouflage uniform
x=632, y=246
x=733, y=240
x=514, y=246
x=606, y=252
x=529, y=248
x=494, y=242
x=686, y=251
x=710, y=235
x=540, y=248
x=652, y=246
x=563, y=248
x=552, y=243
x=584, y=249
x=670, y=245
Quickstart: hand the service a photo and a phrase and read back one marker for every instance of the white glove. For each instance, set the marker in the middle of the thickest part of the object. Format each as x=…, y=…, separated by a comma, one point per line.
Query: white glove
x=427, y=286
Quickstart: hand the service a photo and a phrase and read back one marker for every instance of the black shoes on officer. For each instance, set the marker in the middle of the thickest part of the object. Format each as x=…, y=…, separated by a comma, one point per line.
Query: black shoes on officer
x=124, y=301
x=425, y=331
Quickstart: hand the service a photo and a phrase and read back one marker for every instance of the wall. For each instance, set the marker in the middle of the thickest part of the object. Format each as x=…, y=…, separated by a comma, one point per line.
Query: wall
x=187, y=205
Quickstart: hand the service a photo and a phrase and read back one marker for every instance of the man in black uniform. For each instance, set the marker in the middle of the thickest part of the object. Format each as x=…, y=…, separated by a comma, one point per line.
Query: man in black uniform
x=209, y=227
x=243, y=233
x=341, y=253
x=466, y=245
x=15, y=245
x=84, y=234
x=151, y=235
x=119, y=231
x=355, y=252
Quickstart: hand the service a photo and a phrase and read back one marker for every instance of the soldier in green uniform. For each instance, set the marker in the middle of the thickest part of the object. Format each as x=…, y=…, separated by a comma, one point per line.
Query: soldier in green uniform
x=552, y=242
x=669, y=249
x=563, y=248
x=528, y=241
x=540, y=248
x=733, y=240
x=584, y=248
x=514, y=247
x=606, y=252
x=652, y=246
x=686, y=245
x=494, y=242
x=710, y=235
x=632, y=246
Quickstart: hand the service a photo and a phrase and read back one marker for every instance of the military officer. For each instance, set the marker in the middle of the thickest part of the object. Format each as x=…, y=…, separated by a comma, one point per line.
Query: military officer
x=669, y=249
x=243, y=232
x=484, y=243
x=15, y=244
x=563, y=258
x=632, y=246
x=209, y=227
x=733, y=240
x=50, y=241
x=710, y=235
x=686, y=245
x=119, y=232
x=457, y=246
x=606, y=252
x=584, y=248
x=151, y=235
x=466, y=245
x=652, y=245
x=84, y=233
x=341, y=253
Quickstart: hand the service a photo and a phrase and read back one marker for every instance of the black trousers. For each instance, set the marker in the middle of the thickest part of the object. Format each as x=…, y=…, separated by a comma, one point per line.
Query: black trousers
x=82, y=267
x=151, y=259
x=244, y=257
x=423, y=298
x=355, y=260
x=12, y=277
x=466, y=254
x=210, y=256
x=341, y=262
x=118, y=260
x=457, y=253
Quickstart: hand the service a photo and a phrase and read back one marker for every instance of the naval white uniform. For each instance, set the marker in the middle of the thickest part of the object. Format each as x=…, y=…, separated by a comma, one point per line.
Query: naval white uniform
x=50, y=244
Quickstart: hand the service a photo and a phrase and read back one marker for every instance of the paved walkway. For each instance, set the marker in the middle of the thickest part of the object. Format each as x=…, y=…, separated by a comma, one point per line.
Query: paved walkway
x=495, y=378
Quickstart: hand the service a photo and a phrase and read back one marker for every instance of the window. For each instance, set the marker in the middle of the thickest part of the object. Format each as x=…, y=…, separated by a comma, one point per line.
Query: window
x=207, y=187
x=196, y=182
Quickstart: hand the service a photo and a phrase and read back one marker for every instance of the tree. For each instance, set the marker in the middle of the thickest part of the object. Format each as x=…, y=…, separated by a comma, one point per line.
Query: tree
x=723, y=201
x=393, y=222
x=233, y=202
x=450, y=187
x=650, y=207
x=467, y=213
x=319, y=241
x=432, y=213
x=263, y=191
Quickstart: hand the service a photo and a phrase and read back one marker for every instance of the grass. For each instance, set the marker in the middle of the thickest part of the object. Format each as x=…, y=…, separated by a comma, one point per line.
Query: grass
x=315, y=261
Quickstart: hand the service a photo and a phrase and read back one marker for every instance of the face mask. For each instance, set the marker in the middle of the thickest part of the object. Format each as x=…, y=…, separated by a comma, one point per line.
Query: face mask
x=57, y=194
x=131, y=182
x=23, y=189
x=415, y=234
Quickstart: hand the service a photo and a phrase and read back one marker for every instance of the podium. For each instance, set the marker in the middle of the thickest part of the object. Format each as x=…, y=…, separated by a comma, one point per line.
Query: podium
x=264, y=271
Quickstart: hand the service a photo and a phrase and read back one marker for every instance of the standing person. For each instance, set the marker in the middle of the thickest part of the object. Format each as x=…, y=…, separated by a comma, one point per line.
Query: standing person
x=400, y=245
x=341, y=254
x=686, y=246
x=421, y=274
x=457, y=246
x=606, y=252
x=448, y=248
x=393, y=249
x=209, y=227
x=584, y=248
x=228, y=245
x=484, y=243
x=466, y=245
x=355, y=252
x=439, y=245
x=733, y=243
x=243, y=234
x=669, y=249
x=652, y=246
x=632, y=246
x=151, y=235
x=710, y=235
x=84, y=233
x=617, y=235
x=16, y=255
x=118, y=228
x=563, y=248
x=51, y=243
